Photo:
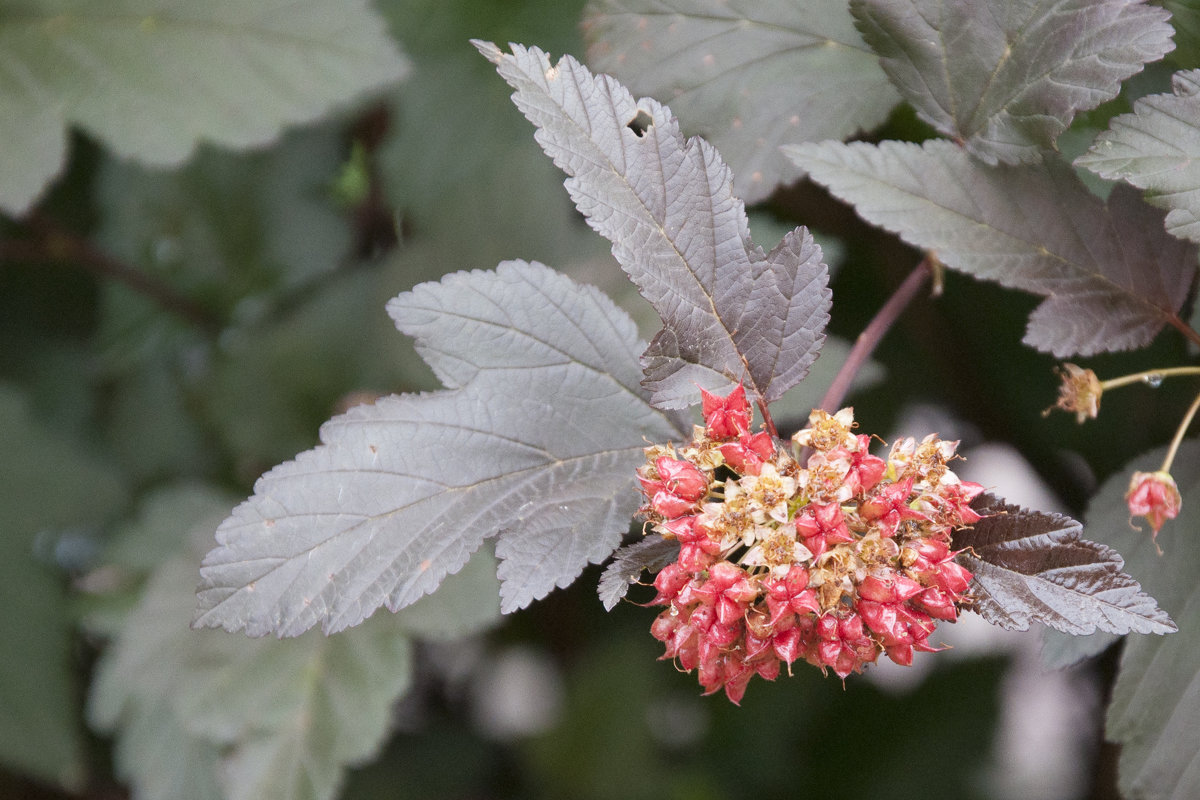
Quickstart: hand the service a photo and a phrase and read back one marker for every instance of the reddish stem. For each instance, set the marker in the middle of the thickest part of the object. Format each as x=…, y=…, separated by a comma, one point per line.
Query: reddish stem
x=874, y=332
x=54, y=243
x=767, y=420
x=1187, y=330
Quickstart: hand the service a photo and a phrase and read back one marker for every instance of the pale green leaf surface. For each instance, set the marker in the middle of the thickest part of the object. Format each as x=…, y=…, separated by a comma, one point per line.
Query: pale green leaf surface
x=731, y=313
x=160, y=759
x=539, y=447
x=50, y=482
x=169, y=519
x=477, y=168
x=1157, y=148
x=1155, y=702
x=1111, y=277
x=1185, y=19
x=151, y=78
x=286, y=716
x=227, y=225
x=1006, y=78
x=748, y=76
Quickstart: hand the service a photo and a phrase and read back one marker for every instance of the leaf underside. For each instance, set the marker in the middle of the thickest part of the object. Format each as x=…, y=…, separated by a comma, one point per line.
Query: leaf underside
x=1036, y=567
x=1111, y=276
x=652, y=553
x=731, y=313
x=535, y=440
x=1157, y=148
x=748, y=76
x=151, y=77
x=1020, y=71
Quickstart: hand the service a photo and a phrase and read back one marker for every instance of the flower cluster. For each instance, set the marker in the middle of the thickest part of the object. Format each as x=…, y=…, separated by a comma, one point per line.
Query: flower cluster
x=832, y=560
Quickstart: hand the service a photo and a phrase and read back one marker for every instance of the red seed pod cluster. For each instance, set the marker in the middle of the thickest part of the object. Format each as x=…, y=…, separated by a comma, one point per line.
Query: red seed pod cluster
x=833, y=561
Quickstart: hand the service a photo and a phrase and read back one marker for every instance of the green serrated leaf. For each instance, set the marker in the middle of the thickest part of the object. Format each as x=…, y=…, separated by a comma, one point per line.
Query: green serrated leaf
x=748, y=76
x=1111, y=277
x=50, y=482
x=263, y=719
x=498, y=185
x=538, y=445
x=152, y=77
x=1156, y=148
x=230, y=225
x=274, y=381
x=1007, y=78
x=1185, y=19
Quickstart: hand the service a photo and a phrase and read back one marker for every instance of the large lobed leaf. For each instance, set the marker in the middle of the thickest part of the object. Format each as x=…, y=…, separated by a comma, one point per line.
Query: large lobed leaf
x=1033, y=566
x=206, y=714
x=1155, y=703
x=1006, y=78
x=152, y=77
x=536, y=440
x=748, y=76
x=1111, y=277
x=1157, y=148
x=731, y=313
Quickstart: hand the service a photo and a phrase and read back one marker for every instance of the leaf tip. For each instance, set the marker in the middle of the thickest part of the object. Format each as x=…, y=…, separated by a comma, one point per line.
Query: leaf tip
x=488, y=50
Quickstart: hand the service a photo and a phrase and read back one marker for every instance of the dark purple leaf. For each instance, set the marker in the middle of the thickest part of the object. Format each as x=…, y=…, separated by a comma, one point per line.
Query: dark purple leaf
x=1032, y=566
x=731, y=313
x=1157, y=148
x=748, y=76
x=652, y=553
x=1007, y=78
x=1111, y=276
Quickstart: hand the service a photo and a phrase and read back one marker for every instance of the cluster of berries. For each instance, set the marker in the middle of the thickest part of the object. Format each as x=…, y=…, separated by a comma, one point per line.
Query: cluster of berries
x=834, y=560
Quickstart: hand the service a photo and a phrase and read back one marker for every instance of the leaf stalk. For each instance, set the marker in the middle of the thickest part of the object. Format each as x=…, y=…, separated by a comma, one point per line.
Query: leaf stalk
x=1175, y=442
x=869, y=339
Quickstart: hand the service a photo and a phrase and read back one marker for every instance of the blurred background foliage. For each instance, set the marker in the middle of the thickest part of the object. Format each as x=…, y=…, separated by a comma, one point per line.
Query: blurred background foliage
x=169, y=333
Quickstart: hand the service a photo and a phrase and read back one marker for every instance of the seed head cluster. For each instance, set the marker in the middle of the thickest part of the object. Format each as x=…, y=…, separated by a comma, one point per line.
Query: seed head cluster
x=832, y=561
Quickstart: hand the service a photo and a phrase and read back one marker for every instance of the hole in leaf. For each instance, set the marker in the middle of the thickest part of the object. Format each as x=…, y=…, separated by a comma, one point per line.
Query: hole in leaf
x=640, y=123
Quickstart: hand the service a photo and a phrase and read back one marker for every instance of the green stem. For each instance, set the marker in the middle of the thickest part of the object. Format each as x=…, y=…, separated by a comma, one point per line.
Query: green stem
x=1148, y=375
x=1183, y=426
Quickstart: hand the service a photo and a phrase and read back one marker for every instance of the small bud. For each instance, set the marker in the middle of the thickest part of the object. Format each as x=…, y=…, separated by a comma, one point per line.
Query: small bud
x=726, y=417
x=1155, y=496
x=1079, y=392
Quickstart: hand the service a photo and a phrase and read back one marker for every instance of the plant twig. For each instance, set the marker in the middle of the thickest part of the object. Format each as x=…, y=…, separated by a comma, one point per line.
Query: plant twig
x=1187, y=330
x=1146, y=376
x=54, y=243
x=1175, y=442
x=768, y=422
x=867, y=341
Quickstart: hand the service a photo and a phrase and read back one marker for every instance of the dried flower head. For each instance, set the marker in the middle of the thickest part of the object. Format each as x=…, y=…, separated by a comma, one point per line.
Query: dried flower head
x=1079, y=392
x=833, y=561
x=1155, y=496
